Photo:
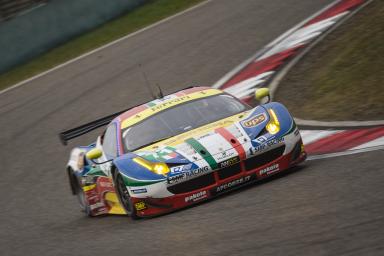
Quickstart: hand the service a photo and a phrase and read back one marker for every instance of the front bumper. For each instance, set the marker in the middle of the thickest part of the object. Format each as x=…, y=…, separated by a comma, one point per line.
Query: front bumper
x=147, y=207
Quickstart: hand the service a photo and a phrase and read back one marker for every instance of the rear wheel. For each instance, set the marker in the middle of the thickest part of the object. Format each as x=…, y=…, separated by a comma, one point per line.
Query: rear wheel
x=124, y=197
x=78, y=191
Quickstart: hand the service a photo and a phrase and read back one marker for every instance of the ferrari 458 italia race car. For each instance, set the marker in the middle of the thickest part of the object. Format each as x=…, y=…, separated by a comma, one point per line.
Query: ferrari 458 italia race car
x=179, y=150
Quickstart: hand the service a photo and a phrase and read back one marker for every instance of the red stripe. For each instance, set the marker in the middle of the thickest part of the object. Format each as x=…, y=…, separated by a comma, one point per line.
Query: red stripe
x=335, y=10
x=344, y=140
x=233, y=141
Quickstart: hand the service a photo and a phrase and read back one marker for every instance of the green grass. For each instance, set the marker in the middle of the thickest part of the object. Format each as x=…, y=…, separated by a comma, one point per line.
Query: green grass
x=143, y=16
x=343, y=77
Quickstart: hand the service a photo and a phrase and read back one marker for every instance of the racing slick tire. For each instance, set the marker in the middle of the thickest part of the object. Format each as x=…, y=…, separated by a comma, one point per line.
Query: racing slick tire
x=78, y=192
x=123, y=195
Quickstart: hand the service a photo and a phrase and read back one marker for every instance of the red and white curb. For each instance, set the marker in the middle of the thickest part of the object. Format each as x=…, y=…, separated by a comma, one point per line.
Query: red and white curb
x=328, y=143
x=262, y=68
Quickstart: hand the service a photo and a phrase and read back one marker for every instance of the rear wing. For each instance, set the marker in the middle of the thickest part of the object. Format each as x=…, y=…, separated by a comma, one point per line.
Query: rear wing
x=85, y=128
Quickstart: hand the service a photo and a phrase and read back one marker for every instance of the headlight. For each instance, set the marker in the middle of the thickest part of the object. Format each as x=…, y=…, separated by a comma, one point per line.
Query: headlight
x=273, y=125
x=158, y=168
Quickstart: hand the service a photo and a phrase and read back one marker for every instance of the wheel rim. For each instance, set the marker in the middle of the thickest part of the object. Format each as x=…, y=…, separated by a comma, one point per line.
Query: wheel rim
x=124, y=194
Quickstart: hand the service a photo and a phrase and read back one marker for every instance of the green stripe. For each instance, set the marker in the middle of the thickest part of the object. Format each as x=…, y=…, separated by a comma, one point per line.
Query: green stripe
x=207, y=156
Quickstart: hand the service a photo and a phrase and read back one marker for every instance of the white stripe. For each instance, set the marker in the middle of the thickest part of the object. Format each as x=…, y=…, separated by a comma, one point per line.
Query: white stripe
x=372, y=143
x=302, y=35
x=247, y=84
x=348, y=152
x=310, y=136
x=105, y=46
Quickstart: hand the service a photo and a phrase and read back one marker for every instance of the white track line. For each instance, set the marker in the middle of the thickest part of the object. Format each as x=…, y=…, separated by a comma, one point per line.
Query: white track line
x=310, y=136
x=105, y=46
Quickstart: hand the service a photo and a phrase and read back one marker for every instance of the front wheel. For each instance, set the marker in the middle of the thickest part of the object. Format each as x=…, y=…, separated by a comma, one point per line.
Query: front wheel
x=124, y=197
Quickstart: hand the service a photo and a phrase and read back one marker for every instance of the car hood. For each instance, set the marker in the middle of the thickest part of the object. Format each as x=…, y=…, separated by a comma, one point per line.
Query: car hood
x=212, y=143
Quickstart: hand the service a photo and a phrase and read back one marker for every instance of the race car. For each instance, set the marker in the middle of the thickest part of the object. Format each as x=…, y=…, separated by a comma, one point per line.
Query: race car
x=179, y=150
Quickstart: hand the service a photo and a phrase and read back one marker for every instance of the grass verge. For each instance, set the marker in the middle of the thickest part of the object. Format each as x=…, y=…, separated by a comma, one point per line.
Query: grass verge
x=342, y=78
x=143, y=16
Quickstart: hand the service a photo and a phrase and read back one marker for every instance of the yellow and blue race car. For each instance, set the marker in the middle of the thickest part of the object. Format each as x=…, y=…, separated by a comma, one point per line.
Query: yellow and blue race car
x=179, y=150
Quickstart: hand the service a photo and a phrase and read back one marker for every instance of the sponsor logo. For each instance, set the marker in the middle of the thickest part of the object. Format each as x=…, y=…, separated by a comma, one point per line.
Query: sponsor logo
x=180, y=169
x=269, y=170
x=187, y=175
x=225, y=155
x=140, y=206
x=96, y=205
x=176, y=179
x=275, y=141
x=254, y=121
x=260, y=140
x=139, y=191
x=233, y=184
x=229, y=162
x=196, y=197
x=170, y=103
x=264, y=146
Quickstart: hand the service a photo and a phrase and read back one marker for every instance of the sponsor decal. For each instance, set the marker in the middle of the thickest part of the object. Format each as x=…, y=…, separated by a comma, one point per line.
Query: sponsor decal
x=233, y=184
x=196, y=197
x=254, y=121
x=170, y=103
x=225, y=155
x=275, y=141
x=180, y=169
x=173, y=179
x=139, y=191
x=96, y=205
x=140, y=206
x=270, y=169
x=229, y=162
x=260, y=140
x=264, y=146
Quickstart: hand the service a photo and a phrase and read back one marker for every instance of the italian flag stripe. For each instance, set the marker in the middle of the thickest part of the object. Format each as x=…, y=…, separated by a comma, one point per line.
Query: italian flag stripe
x=200, y=149
x=233, y=141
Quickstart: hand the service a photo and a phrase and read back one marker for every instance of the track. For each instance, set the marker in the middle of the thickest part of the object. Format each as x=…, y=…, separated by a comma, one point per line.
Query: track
x=329, y=206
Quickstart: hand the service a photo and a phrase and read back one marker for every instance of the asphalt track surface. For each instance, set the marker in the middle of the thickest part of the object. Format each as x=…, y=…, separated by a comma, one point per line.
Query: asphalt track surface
x=327, y=207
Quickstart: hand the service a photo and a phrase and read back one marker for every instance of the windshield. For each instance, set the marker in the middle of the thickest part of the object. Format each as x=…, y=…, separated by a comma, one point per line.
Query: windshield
x=180, y=119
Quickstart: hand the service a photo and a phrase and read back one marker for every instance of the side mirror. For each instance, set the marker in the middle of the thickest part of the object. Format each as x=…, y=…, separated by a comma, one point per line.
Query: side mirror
x=94, y=154
x=261, y=93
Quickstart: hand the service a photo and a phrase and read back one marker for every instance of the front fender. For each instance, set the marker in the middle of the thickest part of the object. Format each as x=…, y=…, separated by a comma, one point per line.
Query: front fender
x=135, y=174
x=287, y=124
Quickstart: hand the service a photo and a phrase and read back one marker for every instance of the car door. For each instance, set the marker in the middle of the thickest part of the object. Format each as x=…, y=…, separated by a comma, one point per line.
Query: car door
x=109, y=148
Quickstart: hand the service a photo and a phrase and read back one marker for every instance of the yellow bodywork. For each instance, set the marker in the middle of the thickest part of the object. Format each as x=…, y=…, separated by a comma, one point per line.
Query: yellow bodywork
x=112, y=200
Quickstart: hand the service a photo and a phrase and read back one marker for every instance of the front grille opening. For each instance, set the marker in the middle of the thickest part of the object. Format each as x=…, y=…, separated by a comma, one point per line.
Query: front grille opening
x=264, y=158
x=190, y=185
x=229, y=171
